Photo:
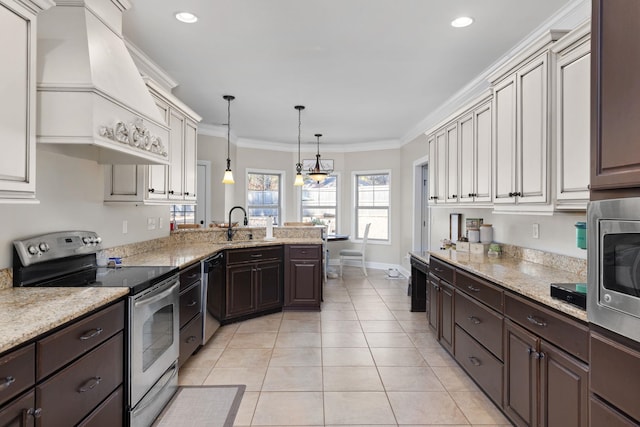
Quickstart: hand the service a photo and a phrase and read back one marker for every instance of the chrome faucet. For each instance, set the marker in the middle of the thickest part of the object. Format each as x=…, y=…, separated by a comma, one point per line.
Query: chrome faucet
x=230, y=230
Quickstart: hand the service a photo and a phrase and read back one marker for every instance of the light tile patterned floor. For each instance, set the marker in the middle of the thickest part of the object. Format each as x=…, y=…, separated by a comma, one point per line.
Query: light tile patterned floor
x=365, y=359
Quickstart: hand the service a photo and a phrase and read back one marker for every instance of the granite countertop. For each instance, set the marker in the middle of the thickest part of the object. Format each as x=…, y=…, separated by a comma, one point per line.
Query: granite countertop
x=184, y=254
x=26, y=313
x=523, y=277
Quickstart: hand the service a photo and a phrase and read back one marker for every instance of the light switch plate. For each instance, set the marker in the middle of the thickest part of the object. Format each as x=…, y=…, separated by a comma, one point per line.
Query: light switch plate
x=151, y=223
x=536, y=231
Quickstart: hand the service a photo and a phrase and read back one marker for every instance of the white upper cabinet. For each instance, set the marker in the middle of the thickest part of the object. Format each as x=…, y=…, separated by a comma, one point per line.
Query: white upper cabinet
x=522, y=128
x=18, y=106
x=573, y=118
x=460, y=158
x=159, y=184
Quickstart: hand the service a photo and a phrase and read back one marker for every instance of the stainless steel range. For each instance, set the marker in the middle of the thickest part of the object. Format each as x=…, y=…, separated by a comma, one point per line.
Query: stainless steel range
x=68, y=259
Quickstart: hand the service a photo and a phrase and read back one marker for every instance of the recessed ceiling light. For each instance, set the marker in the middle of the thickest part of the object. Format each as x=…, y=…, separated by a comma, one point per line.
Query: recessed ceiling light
x=186, y=17
x=463, y=21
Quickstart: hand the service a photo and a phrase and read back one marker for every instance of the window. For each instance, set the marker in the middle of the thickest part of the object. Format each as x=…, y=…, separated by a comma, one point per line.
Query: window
x=263, y=197
x=183, y=214
x=320, y=202
x=372, y=204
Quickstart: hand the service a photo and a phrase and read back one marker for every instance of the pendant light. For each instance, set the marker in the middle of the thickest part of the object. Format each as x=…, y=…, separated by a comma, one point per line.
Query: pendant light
x=299, y=179
x=316, y=173
x=228, y=175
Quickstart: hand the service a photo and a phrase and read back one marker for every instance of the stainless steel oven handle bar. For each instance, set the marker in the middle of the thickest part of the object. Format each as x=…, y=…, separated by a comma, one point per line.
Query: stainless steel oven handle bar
x=155, y=297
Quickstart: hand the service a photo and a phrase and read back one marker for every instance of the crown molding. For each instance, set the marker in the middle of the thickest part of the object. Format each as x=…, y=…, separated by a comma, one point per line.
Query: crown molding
x=568, y=17
x=390, y=144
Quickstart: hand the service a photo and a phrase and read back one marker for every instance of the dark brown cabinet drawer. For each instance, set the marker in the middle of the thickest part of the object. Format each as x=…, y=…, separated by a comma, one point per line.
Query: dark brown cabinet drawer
x=190, y=339
x=189, y=276
x=567, y=334
x=441, y=269
x=64, y=346
x=109, y=413
x=17, y=372
x=482, y=323
x=76, y=390
x=190, y=303
x=606, y=416
x=254, y=254
x=16, y=413
x=615, y=374
x=305, y=251
x=480, y=364
x=480, y=290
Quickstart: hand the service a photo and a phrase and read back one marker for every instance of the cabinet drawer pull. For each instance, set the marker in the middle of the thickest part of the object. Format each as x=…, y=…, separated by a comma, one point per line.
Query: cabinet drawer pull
x=91, y=334
x=191, y=339
x=90, y=384
x=473, y=289
x=152, y=190
x=192, y=303
x=532, y=319
x=535, y=353
x=256, y=255
x=171, y=191
x=474, y=320
x=8, y=381
x=193, y=275
x=186, y=193
x=438, y=270
x=474, y=361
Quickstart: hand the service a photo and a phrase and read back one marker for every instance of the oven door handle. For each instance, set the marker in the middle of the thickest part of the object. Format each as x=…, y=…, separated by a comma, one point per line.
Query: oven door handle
x=146, y=301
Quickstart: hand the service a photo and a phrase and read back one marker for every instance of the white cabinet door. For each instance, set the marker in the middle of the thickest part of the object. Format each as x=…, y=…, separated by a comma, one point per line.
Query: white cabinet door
x=441, y=181
x=533, y=132
x=482, y=162
x=467, y=159
x=573, y=127
x=190, y=160
x=176, y=154
x=17, y=107
x=504, y=142
x=158, y=179
x=433, y=168
x=452, y=163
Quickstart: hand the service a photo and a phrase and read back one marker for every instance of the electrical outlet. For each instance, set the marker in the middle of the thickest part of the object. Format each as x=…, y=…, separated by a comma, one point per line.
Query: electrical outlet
x=125, y=226
x=536, y=231
x=151, y=223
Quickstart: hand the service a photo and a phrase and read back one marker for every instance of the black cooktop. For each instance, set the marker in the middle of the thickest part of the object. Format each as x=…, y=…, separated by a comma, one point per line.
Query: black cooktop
x=137, y=279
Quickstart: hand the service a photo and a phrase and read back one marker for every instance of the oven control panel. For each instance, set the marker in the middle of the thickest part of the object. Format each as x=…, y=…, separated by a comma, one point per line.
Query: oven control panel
x=53, y=246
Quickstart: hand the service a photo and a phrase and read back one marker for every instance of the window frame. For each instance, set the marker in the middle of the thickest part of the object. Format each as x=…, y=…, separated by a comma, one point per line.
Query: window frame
x=281, y=191
x=337, y=206
x=354, y=200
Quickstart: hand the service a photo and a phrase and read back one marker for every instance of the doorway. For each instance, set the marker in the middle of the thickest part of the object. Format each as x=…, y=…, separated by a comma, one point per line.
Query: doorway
x=203, y=193
x=421, y=222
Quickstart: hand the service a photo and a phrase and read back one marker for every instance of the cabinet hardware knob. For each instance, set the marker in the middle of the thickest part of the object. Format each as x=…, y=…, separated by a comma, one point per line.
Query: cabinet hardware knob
x=152, y=190
x=170, y=191
x=535, y=354
x=534, y=320
x=90, y=384
x=91, y=334
x=453, y=196
x=186, y=193
x=474, y=361
x=511, y=194
x=470, y=194
x=474, y=320
x=473, y=289
x=191, y=339
x=35, y=413
x=8, y=381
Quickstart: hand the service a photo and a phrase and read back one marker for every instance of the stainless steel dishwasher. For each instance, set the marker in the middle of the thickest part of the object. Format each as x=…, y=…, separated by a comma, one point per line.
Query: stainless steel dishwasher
x=213, y=279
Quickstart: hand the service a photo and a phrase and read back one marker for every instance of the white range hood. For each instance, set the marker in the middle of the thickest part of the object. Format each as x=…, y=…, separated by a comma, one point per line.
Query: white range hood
x=92, y=102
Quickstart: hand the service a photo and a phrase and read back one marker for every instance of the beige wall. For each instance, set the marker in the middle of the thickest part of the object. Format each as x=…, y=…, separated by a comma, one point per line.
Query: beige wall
x=71, y=194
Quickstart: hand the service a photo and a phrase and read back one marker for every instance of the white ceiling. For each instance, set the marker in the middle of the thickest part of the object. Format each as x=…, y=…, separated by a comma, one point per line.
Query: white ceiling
x=367, y=70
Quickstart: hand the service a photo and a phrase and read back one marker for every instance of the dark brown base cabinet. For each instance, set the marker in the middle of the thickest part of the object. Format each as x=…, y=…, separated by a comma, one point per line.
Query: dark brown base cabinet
x=76, y=378
x=615, y=379
x=530, y=360
x=254, y=283
x=419, y=272
x=190, y=312
x=303, y=277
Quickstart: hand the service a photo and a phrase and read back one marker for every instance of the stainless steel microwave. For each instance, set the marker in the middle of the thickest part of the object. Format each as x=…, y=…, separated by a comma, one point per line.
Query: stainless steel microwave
x=613, y=257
